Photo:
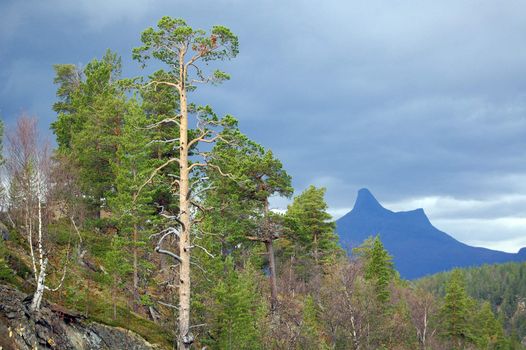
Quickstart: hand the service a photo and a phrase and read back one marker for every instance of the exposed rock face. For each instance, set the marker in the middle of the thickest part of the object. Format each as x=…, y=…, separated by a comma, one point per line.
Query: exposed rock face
x=56, y=328
x=4, y=232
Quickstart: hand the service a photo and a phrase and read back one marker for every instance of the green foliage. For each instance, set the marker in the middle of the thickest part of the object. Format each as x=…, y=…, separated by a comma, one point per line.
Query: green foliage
x=503, y=285
x=220, y=44
x=68, y=78
x=116, y=260
x=236, y=311
x=109, y=133
x=255, y=169
x=456, y=311
x=90, y=111
x=6, y=273
x=311, y=331
x=310, y=230
x=62, y=234
x=238, y=193
x=379, y=268
x=489, y=332
x=130, y=200
x=98, y=244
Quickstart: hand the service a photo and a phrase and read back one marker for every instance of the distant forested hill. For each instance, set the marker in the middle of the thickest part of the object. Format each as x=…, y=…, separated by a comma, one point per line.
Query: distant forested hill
x=503, y=285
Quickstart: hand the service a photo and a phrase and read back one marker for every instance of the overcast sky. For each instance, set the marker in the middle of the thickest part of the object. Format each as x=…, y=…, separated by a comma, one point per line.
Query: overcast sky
x=422, y=102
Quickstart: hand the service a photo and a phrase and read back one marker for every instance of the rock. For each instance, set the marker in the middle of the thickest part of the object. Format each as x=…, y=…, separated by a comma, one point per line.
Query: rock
x=11, y=315
x=54, y=327
x=4, y=232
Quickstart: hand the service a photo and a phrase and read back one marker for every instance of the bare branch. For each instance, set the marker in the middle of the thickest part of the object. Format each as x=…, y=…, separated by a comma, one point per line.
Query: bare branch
x=204, y=178
x=202, y=138
x=155, y=83
x=256, y=239
x=168, y=162
x=196, y=165
x=158, y=248
x=218, y=168
x=162, y=141
x=204, y=189
x=169, y=253
x=76, y=228
x=161, y=122
x=169, y=230
x=64, y=272
x=202, y=270
x=167, y=305
x=197, y=325
x=203, y=249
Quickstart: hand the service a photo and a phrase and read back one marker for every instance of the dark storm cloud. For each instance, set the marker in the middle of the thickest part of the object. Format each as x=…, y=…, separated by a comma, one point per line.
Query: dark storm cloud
x=411, y=99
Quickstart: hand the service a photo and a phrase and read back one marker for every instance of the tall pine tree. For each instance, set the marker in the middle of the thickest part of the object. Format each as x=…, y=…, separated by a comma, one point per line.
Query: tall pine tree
x=237, y=310
x=91, y=110
x=379, y=268
x=310, y=229
x=456, y=311
x=129, y=203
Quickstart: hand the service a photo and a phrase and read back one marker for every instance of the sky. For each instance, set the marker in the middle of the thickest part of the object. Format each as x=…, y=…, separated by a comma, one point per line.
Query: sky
x=422, y=102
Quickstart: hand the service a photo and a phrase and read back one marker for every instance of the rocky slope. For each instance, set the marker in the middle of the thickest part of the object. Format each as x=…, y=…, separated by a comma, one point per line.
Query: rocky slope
x=56, y=328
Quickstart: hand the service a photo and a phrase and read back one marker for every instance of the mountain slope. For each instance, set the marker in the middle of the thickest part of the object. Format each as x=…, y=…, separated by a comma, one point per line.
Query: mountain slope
x=418, y=247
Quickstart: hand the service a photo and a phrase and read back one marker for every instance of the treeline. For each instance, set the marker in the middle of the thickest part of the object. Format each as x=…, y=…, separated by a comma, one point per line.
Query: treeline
x=152, y=207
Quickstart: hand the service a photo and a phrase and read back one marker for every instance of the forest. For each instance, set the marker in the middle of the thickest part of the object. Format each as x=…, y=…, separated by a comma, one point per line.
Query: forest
x=153, y=214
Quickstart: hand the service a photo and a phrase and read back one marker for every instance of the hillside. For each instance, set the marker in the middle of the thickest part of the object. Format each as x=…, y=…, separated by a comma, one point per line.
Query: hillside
x=418, y=247
x=503, y=285
x=86, y=307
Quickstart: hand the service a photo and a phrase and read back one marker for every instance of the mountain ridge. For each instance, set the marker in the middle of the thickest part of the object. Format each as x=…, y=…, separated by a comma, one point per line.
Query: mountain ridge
x=418, y=247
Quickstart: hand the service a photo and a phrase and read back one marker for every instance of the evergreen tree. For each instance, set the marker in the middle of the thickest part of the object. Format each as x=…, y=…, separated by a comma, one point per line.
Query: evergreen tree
x=309, y=226
x=254, y=176
x=233, y=209
x=184, y=50
x=379, y=268
x=488, y=330
x=90, y=111
x=130, y=201
x=118, y=267
x=456, y=311
x=68, y=77
x=237, y=310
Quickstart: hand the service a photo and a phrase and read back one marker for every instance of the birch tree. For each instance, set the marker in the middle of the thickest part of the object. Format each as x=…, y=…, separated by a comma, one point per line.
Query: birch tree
x=28, y=166
x=185, y=51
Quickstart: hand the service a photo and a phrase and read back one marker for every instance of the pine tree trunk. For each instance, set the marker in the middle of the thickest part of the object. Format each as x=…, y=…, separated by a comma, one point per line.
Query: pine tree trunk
x=316, y=248
x=185, y=338
x=272, y=269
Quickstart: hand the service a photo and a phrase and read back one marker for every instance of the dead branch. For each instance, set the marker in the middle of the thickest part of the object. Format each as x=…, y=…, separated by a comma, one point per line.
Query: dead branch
x=168, y=162
x=202, y=248
x=156, y=83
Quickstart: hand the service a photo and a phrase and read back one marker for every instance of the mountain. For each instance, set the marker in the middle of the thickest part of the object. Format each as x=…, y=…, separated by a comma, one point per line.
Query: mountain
x=417, y=246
